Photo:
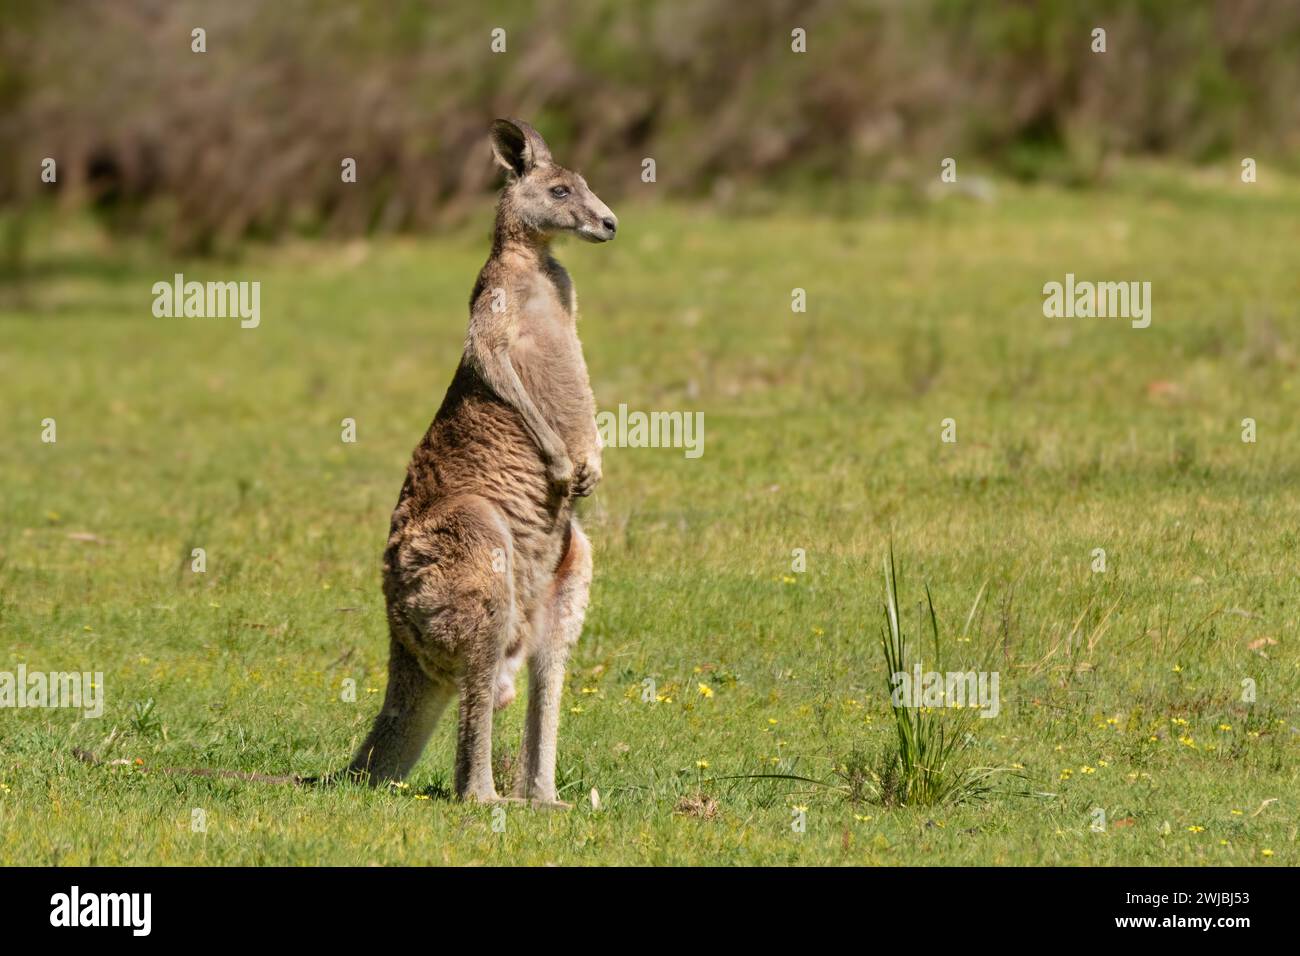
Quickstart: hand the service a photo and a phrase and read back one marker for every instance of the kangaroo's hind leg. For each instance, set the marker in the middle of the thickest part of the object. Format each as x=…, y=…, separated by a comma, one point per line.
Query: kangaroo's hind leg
x=464, y=606
x=559, y=626
x=454, y=596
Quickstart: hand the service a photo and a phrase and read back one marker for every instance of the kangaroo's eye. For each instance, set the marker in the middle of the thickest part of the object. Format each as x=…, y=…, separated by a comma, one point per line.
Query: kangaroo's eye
x=559, y=192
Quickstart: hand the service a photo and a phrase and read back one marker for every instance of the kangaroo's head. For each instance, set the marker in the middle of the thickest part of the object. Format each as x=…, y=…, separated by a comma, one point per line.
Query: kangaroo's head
x=542, y=198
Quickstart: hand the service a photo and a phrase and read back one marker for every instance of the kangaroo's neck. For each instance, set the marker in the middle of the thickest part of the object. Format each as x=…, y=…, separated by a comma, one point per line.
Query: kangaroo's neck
x=520, y=252
x=519, y=247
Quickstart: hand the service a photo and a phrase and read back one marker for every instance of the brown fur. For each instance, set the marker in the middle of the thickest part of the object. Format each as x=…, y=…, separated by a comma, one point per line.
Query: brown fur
x=485, y=564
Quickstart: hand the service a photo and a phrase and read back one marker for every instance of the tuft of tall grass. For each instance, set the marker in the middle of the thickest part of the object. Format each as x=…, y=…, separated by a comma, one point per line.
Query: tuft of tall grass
x=930, y=761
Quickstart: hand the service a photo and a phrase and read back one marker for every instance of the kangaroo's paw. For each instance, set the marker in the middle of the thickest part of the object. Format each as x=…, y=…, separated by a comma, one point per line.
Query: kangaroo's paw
x=504, y=691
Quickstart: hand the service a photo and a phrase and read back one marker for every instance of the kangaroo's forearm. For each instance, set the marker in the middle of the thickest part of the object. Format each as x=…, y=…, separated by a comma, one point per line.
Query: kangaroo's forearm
x=500, y=374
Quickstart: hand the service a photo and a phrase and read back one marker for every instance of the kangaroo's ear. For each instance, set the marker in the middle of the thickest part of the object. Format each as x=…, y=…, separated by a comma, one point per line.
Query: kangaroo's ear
x=518, y=147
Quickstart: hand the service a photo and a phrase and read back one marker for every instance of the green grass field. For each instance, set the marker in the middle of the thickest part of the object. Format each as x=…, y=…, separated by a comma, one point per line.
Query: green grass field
x=1120, y=690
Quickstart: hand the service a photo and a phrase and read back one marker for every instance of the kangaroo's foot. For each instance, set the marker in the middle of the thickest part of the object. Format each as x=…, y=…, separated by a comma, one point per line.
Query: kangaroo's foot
x=498, y=800
x=549, y=805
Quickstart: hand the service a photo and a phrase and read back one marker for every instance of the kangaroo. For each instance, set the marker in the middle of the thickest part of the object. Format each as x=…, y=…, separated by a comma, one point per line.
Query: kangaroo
x=485, y=566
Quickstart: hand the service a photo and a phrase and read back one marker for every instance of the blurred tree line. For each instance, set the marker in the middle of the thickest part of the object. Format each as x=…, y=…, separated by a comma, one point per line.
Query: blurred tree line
x=247, y=138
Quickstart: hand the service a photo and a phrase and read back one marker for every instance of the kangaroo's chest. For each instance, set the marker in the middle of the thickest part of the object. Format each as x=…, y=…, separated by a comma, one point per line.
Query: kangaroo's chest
x=548, y=355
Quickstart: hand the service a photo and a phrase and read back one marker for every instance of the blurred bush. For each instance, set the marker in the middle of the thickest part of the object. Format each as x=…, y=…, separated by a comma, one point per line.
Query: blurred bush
x=247, y=138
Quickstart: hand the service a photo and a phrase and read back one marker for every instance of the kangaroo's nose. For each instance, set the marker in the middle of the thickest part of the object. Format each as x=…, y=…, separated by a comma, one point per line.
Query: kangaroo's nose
x=610, y=224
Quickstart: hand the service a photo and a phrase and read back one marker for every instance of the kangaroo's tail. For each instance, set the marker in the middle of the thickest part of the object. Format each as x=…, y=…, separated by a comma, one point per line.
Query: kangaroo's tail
x=294, y=779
